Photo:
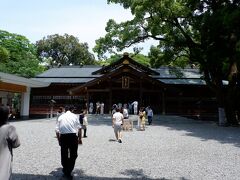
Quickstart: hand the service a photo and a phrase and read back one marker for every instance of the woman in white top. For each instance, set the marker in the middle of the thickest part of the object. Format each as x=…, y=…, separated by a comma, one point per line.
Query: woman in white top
x=117, y=122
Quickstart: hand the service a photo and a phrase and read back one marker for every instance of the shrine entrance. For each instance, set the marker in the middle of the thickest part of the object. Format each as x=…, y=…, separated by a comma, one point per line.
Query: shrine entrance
x=123, y=82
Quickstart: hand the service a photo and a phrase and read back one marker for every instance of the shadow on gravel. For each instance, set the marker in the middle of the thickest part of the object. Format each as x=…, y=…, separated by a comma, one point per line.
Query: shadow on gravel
x=205, y=130
x=79, y=174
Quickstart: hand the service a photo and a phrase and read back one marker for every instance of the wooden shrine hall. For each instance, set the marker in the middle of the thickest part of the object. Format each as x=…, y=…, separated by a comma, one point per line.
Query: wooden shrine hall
x=124, y=81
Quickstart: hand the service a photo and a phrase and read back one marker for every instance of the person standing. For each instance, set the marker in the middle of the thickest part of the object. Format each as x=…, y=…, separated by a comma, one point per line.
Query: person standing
x=102, y=108
x=83, y=121
x=142, y=119
x=8, y=140
x=127, y=124
x=125, y=113
x=135, y=107
x=59, y=113
x=120, y=106
x=130, y=108
x=98, y=107
x=117, y=122
x=114, y=107
x=149, y=115
x=68, y=131
x=90, y=108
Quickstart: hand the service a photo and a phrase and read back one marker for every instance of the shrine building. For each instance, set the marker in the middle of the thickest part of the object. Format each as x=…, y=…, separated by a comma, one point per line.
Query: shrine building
x=124, y=81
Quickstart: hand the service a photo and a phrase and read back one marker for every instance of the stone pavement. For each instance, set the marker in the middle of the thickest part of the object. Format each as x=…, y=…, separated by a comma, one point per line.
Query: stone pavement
x=173, y=148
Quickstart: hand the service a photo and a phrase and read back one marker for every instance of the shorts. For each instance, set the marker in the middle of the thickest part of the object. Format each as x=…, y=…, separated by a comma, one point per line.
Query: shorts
x=117, y=128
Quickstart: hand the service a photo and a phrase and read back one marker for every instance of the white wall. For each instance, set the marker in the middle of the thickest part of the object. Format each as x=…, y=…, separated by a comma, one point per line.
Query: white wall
x=25, y=102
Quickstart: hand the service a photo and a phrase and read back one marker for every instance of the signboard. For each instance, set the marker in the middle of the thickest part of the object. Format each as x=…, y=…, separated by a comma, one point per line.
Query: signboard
x=125, y=82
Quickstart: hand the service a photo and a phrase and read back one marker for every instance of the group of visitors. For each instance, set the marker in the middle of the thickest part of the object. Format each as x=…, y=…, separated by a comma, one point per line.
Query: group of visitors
x=131, y=107
x=99, y=108
x=69, y=128
x=119, y=114
x=143, y=114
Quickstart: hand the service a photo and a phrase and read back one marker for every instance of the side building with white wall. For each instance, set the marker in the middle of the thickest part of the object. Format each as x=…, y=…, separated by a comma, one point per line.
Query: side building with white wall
x=10, y=84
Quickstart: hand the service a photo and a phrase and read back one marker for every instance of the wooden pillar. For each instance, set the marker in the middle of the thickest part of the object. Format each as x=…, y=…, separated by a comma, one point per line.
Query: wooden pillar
x=25, y=104
x=87, y=103
x=110, y=96
x=163, y=102
x=141, y=93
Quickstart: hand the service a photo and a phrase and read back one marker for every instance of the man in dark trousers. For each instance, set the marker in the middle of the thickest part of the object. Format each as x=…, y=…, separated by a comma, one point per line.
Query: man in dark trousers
x=68, y=131
x=83, y=122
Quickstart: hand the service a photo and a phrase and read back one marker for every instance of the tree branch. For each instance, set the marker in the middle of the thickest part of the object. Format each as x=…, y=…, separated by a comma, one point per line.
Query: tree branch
x=188, y=38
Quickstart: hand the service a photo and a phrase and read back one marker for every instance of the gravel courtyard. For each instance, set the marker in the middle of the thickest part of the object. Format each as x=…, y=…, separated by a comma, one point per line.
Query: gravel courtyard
x=173, y=148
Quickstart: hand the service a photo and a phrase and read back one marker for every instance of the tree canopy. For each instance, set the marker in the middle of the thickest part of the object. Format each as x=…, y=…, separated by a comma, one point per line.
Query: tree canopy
x=137, y=57
x=4, y=54
x=64, y=50
x=18, y=55
x=203, y=32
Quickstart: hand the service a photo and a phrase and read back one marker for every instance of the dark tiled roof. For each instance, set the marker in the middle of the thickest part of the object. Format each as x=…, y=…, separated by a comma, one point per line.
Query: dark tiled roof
x=76, y=74
x=70, y=71
x=68, y=74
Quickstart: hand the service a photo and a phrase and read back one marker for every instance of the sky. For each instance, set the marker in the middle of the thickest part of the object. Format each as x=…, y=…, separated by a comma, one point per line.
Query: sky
x=85, y=19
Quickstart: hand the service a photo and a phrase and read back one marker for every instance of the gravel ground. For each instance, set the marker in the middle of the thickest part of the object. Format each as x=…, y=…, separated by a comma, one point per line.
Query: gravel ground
x=173, y=148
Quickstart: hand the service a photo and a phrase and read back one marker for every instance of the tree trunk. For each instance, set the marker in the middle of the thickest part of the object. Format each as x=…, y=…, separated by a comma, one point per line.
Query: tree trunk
x=231, y=106
x=227, y=107
x=221, y=108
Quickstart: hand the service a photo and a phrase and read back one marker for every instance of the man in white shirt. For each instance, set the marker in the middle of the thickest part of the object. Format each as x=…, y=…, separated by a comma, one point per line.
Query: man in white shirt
x=102, y=108
x=135, y=107
x=90, y=108
x=117, y=122
x=125, y=113
x=68, y=131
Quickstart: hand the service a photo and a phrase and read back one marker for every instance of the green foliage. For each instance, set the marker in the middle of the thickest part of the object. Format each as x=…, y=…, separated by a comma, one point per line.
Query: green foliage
x=152, y=19
x=206, y=33
x=160, y=58
x=64, y=50
x=200, y=32
x=4, y=55
x=112, y=59
x=20, y=55
x=142, y=59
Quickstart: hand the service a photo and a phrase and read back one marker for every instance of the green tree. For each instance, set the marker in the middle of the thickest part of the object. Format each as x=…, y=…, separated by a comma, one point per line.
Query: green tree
x=142, y=59
x=20, y=55
x=202, y=32
x=64, y=50
x=4, y=55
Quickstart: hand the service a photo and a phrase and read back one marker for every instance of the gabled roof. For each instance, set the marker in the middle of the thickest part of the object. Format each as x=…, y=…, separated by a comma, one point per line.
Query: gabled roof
x=87, y=73
x=125, y=60
x=121, y=70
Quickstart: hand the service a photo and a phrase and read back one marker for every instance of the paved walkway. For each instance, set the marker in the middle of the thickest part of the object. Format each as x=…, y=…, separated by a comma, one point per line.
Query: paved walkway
x=173, y=148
